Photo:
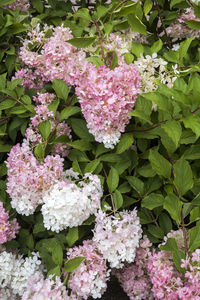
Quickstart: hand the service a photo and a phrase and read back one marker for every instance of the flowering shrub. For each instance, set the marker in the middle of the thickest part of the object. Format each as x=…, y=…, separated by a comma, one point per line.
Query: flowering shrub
x=99, y=150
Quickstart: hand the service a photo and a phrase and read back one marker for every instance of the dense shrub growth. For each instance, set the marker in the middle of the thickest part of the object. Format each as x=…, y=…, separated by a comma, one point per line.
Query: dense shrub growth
x=99, y=149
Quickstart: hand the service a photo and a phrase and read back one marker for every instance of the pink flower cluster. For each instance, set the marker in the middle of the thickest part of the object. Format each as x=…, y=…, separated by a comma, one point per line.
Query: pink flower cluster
x=134, y=278
x=8, y=229
x=28, y=179
x=90, y=278
x=179, y=29
x=106, y=98
x=57, y=58
x=117, y=237
x=30, y=79
x=40, y=288
x=42, y=114
x=22, y=5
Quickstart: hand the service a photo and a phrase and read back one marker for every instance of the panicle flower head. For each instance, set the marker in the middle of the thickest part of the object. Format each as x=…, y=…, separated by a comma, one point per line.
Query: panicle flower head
x=134, y=278
x=39, y=288
x=117, y=237
x=28, y=179
x=8, y=229
x=15, y=271
x=57, y=58
x=90, y=278
x=107, y=97
x=30, y=80
x=22, y=5
x=69, y=204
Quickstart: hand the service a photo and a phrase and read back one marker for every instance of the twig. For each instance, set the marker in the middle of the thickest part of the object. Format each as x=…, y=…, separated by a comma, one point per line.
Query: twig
x=100, y=38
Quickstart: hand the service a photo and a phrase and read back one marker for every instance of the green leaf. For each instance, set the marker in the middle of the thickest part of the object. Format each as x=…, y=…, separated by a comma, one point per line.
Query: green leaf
x=80, y=42
x=6, y=2
x=147, y=6
x=173, y=130
x=39, y=151
x=170, y=245
x=160, y=164
x=157, y=46
x=80, y=129
x=153, y=200
x=192, y=153
x=156, y=231
x=136, y=24
x=102, y=11
x=83, y=13
x=184, y=46
x=177, y=258
x=8, y=103
x=192, y=122
x=194, y=234
x=91, y=166
x=193, y=24
x=72, y=236
x=137, y=49
x=128, y=58
x=126, y=9
x=45, y=129
x=61, y=89
x=113, y=180
x=118, y=199
x=125, y=142
x=38, y=5
x=73, y=263
x=173, y=205
x=53, y=106
x=136, y=184
x=165, y=222
x=57, y=254
x=175, y=2
x=81, y=145
x=68, y=112
x=183, y=177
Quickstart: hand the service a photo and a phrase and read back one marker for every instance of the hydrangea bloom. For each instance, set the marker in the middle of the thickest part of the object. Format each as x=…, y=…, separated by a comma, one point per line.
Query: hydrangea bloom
x=107, y=97
x=22, y=5
x=8, y=229
x=7, y=294
x=180, y=30
x=40, y=288
x=90, y=278
x=69, y=204
x=57, y=58
x=117, y=237
x=28, y=179
x=152, y=71
x=15, y=271
x=42, y=114
x=134, y=278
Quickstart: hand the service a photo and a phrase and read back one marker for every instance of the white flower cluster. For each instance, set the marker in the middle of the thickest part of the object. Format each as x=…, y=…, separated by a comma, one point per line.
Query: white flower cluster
x=16, y=271
x=153, y=71
x=117, y=237
x=71, y=201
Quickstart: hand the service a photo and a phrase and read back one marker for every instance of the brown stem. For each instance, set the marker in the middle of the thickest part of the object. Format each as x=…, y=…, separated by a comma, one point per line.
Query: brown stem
x=100, y=38
x=121, y=3
x=184, y=232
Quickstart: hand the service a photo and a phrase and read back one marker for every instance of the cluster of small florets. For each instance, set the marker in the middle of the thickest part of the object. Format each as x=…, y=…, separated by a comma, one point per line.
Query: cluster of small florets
x=106, y=98
x=134, y=278
x=152, y=71
x=8, y=229
x=40, y=288
x=117, y=237
x=180, y=30
x=42, y=114
x=29, y=79
x=28, y=179
x=15, y=271
x=71, y=201
x=57, y=58
x=90, y=278
x=168, y=283
x=22, y=5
